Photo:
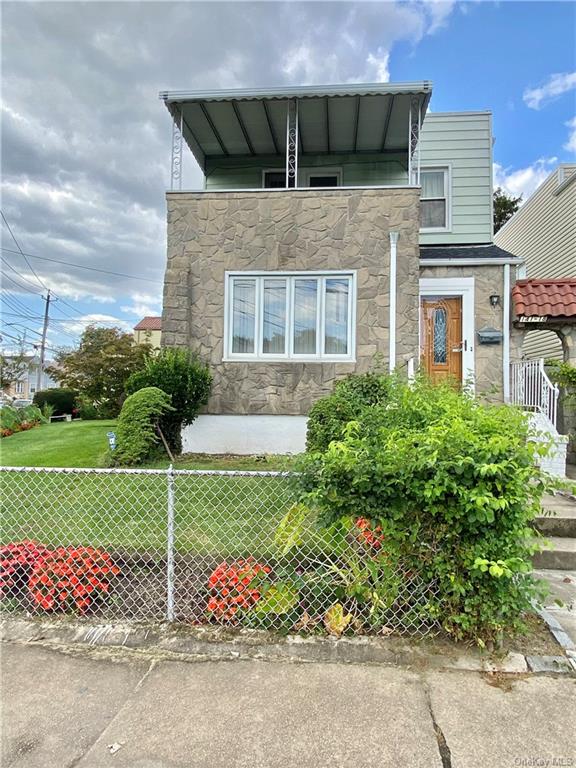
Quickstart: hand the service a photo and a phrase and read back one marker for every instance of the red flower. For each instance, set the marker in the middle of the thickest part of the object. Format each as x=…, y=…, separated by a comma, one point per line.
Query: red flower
x=77, y=576
x=229, y=586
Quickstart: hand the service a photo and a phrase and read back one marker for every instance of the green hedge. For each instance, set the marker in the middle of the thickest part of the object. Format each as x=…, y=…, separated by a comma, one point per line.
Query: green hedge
x=329, y=416
x=62, y=400
x=453, y=486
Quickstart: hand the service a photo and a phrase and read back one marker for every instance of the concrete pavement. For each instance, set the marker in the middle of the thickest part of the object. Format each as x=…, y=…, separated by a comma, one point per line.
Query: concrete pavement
x=108, y=709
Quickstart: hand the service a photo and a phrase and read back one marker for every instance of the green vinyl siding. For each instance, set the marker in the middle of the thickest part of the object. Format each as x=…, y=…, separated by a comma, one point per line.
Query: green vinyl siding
x=461, y=142
x=357, y=170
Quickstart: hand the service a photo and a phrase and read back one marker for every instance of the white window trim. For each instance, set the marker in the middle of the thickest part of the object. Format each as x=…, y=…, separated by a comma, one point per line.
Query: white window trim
x=447, y=170
x=454, y=286
x=307, y=173
x=304, y=175
x=289, y=356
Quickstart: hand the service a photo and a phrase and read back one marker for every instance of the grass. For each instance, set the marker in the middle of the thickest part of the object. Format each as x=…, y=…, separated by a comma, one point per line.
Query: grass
x=84, y=444
x=224, y=516
x=60, y=444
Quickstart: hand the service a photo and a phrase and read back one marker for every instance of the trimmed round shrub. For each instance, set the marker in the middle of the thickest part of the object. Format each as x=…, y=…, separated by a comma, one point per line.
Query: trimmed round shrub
x=181, y=375
x=136, y=434
x=62, y=400
x=329, y=415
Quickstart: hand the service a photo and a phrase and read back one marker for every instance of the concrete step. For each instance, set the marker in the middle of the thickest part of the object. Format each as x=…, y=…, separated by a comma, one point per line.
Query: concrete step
x=561, y=557
x=558, y=518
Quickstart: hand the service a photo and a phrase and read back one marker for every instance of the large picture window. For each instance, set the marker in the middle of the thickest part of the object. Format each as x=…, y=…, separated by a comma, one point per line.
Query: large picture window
x=434, y=199
x=301, y=316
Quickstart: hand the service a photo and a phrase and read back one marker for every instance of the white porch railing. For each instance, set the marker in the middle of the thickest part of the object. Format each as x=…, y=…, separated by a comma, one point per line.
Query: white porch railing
x=531, y=388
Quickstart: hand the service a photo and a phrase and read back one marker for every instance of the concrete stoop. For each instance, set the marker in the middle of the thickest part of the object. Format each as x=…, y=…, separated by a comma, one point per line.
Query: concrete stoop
x=558, y=525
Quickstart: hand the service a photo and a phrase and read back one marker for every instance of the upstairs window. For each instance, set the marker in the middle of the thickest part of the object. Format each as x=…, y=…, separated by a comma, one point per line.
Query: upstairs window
x=274, y=179
x=434, y=210
x=304, y=316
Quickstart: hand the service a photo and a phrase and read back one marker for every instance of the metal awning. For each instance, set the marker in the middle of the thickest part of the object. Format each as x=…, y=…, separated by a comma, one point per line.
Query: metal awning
x=381, y=118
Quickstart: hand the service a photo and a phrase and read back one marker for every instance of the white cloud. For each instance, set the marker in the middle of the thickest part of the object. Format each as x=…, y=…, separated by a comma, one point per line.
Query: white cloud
x=571, y=143
x=80, y=325
x=523, y=181
x=556, y=85
x=144, y=304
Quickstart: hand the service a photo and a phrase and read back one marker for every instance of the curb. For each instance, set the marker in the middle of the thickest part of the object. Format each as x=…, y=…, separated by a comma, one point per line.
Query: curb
x=218, y=644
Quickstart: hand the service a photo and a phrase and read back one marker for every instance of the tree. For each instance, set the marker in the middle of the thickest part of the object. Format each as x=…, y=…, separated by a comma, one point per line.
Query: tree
x=505, y=206
x=100, y=367
x=11, y=368
x=180, y=374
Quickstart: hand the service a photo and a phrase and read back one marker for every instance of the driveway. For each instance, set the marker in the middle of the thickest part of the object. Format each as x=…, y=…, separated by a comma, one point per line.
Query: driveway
x=102, y=709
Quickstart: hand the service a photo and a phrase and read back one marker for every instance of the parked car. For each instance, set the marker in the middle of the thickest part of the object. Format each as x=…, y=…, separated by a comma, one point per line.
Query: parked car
x=21, y=403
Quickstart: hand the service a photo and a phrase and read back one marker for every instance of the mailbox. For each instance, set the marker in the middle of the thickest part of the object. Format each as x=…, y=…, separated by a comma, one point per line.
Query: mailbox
x=488, y=335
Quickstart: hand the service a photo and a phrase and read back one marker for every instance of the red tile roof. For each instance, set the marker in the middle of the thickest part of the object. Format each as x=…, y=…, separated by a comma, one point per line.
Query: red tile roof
x=545, y=298
x=149, y=324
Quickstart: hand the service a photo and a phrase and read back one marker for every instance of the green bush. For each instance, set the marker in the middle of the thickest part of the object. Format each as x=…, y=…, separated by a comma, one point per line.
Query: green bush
x=180, y=374
x=136, y=433
x=451, y=486
x=329, y=415
x=19, y=419
x=63, y=400
x=88, y=411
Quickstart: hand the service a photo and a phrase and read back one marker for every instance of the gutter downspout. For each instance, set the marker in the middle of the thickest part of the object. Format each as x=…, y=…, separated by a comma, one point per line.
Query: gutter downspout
x=392, y=329
x=506, y=333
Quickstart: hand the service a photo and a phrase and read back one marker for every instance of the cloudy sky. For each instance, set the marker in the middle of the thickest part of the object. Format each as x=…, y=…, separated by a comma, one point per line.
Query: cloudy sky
x=86, y=142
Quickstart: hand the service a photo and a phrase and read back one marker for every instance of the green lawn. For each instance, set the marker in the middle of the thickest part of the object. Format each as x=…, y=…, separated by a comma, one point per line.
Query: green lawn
x=84, y=444
x=60, y=444
x=221, y=516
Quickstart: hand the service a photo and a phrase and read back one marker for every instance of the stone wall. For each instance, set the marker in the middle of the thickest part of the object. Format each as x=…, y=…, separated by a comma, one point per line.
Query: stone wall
x=488, y=358
x=210, y=233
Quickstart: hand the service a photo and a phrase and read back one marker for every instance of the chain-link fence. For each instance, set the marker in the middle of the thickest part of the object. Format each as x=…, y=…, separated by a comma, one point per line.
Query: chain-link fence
x=198, y=547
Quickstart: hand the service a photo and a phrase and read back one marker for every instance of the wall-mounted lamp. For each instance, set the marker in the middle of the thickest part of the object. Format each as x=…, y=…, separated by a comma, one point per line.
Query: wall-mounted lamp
x=495, y=300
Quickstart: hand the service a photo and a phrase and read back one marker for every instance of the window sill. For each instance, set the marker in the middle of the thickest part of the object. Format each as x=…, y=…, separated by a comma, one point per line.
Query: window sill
x=314, y=360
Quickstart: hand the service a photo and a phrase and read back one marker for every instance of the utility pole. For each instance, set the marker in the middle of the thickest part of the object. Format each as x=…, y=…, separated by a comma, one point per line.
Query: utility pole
x=43, y=343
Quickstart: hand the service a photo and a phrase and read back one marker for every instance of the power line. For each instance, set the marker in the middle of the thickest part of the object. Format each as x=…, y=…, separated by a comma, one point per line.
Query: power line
x=7, y=277
x=82, y=266
x=21, y=251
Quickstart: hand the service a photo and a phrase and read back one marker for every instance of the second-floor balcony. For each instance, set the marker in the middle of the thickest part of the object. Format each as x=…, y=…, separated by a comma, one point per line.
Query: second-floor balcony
x=300, y=138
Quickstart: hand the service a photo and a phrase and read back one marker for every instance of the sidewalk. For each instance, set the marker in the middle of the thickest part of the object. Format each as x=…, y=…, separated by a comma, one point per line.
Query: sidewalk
x=104, y=708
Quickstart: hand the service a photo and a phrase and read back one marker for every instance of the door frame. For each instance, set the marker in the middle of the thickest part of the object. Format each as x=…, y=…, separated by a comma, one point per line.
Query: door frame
x=449, y=287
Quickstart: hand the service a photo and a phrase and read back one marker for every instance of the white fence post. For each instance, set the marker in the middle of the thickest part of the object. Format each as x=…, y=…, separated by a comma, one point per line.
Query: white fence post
x=170, y=546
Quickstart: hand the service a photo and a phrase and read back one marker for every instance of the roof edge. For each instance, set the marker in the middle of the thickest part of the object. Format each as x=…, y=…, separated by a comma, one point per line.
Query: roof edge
x=300, y=91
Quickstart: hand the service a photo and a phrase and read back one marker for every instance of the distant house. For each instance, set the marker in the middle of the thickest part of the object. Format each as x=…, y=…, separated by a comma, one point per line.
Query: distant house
x=25, y=386
x=149, y=331
x=543, y=232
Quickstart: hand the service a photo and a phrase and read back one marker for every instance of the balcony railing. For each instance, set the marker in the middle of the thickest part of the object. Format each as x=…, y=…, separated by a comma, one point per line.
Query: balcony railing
x=531, y=388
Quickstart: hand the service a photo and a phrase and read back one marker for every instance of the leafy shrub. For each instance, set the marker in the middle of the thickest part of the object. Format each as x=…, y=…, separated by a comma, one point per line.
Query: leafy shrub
x=19, y=419
x=72, y=578
x=450, y=485
x=180, y=374
x=232, y=587
x=136, y=432
x=87, y=410
x=17, y=560
x=47, y=411
x=329, y=415
x=63, y=400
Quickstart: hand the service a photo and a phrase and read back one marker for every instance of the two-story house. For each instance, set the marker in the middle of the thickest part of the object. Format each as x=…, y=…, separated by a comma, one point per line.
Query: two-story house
x=338, y=227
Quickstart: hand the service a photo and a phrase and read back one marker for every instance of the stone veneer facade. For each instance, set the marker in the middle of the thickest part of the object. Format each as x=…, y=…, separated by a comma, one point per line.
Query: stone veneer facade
x=210, y=233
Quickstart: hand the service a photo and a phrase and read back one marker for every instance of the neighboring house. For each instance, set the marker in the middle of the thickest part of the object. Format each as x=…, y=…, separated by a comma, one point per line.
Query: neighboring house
x=149, y=331
x=26, y=384
x=339, y=227
x=543, y=232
